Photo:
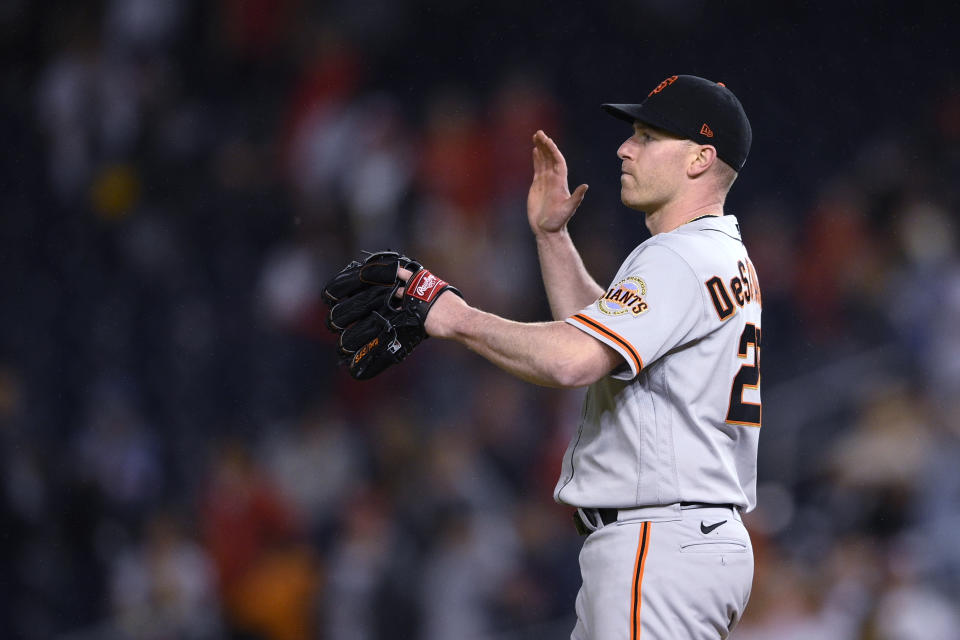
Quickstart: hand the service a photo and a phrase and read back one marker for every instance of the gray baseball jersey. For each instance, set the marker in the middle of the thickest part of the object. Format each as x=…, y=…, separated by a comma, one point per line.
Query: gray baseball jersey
x=679, y=422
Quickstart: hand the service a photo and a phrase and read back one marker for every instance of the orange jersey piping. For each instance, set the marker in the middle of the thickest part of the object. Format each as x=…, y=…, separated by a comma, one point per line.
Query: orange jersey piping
x=643, y=547
x=612, y=335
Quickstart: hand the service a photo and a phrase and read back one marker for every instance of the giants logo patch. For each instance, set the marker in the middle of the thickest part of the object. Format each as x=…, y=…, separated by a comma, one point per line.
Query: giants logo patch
x=627, y=296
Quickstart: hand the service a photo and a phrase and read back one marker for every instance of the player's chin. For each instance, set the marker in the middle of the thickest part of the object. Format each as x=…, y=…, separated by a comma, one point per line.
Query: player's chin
x=629, y=198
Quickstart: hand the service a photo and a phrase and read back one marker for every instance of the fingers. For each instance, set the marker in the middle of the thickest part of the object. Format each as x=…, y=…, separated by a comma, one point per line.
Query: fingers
x=357, y=306
x=549, y=152
x=403, y=275
x=539, y=159
x=540, y=140
x=539, y=164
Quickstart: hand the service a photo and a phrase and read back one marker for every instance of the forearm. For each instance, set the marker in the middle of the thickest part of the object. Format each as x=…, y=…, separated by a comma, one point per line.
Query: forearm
x=552, y=354
x=568, y=284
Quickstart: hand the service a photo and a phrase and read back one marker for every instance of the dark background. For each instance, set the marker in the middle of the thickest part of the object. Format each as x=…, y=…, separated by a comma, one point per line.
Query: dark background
x=181, y=458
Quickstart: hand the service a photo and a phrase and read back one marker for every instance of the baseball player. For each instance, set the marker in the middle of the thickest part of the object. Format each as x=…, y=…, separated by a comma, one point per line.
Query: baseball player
x=663, y=461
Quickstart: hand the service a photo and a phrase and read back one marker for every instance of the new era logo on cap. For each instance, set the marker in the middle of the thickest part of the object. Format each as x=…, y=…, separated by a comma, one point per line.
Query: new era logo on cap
x=705, y=131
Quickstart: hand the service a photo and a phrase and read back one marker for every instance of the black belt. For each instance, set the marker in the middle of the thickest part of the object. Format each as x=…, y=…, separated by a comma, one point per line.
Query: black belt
x=609, y=515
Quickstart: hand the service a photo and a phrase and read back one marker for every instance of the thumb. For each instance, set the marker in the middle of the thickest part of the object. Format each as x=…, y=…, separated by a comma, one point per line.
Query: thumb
x=578, y=194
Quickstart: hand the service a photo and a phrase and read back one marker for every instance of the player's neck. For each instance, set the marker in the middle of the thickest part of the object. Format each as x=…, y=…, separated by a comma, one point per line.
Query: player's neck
x=673, y=215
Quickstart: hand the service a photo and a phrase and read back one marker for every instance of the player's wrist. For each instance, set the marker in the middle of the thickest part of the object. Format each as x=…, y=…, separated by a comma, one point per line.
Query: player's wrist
x=447, y=316
x=550, y=236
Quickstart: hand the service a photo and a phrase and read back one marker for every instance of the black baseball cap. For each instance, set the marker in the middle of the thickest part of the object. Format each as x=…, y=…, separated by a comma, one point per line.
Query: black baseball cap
x=696, y=109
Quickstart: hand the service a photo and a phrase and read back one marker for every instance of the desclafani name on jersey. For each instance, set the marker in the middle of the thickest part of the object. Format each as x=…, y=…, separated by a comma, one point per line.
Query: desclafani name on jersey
x=743, y=289
x=625, y=296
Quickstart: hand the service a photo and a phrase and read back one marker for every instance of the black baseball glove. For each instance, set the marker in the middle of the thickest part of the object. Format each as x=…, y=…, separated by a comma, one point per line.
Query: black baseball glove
x=377, y=328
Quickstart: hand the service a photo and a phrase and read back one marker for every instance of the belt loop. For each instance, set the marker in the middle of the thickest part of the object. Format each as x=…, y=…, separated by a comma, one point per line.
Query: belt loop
x=588, y=522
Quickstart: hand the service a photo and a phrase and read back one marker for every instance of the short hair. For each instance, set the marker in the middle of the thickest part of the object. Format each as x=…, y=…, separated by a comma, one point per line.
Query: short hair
x=725, y=176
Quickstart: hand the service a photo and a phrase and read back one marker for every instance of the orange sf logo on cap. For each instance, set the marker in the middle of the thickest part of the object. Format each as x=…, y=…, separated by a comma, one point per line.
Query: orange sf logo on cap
x=663, y=85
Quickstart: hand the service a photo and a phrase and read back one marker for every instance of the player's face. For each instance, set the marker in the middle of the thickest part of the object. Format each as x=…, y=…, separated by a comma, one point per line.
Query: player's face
x=653, y=166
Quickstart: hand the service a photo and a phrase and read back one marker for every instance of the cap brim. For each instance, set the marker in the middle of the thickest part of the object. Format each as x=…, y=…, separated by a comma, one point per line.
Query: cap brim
x=636, y=113
x=626, y=112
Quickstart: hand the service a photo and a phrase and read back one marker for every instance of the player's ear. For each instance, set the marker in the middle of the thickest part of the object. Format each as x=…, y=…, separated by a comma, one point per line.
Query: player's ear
x=702, y=158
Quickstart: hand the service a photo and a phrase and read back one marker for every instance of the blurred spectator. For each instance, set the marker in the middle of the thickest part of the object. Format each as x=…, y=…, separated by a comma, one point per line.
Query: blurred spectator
x=912, y=611
x=165, y=587
x=314, y=466
x=319, y=126
x=141, y=26
x=371, y=575
x=289, y=288
x=377, y=172
x=465, y=572
x=839, y=259
x=935, y=517
x=117, y=452
x=542, y=583
x=265, y=574
x=456, y=167
x=929, y=315
x=88, y=104
x=254, y=29
x=520, y=107
x=793, y=600
x=879, y=461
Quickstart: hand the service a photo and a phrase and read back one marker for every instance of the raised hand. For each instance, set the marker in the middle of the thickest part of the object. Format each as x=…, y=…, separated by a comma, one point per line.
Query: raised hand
x=550, y=205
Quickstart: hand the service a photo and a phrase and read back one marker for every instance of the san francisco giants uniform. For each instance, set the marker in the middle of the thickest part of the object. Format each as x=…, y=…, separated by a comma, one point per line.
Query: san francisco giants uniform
x=664, y=459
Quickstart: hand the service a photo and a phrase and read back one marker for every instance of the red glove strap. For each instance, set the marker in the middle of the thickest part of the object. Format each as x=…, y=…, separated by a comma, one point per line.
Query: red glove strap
x=425, y=286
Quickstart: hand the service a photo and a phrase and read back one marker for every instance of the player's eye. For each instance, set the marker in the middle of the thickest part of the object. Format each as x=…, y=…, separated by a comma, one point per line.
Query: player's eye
x=641, y=135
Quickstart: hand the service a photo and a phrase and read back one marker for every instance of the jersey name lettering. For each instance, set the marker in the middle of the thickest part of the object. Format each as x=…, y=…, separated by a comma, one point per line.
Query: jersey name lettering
x=744, y=289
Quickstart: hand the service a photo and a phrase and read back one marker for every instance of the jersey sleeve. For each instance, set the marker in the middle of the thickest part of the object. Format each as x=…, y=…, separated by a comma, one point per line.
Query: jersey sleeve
x=654, y=305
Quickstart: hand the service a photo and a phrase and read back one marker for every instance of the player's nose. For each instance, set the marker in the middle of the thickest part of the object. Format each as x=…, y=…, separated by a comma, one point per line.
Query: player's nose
x=625, y=152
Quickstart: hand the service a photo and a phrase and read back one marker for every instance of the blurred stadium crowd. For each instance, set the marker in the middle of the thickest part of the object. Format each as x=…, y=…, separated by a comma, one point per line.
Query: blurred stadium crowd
x=181, y=458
